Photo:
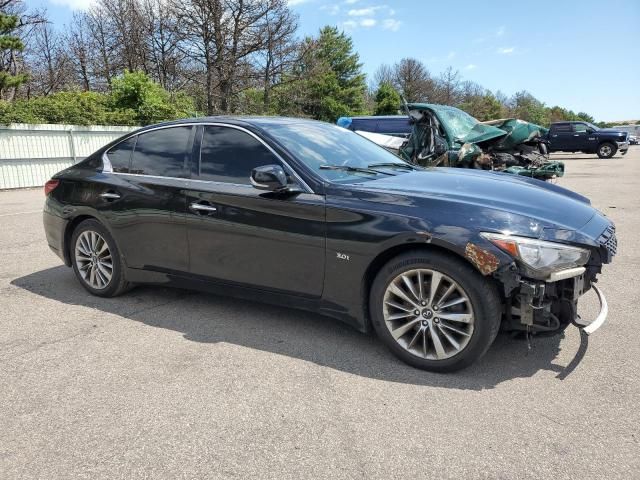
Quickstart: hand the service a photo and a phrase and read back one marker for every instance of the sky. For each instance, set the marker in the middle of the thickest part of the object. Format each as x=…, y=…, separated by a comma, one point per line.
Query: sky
x=580, y=54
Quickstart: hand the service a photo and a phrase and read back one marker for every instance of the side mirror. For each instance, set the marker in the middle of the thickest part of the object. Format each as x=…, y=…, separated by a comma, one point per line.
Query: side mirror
x=269, y=177
x=590, y=131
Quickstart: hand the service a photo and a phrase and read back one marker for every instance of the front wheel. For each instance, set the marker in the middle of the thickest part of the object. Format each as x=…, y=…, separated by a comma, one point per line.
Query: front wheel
x=433, y=311
x=606, y=150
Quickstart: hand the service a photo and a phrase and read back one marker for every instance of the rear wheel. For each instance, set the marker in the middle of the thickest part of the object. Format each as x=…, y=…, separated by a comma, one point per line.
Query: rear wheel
x=433, y=311
x=606, y=150
x=96, y=260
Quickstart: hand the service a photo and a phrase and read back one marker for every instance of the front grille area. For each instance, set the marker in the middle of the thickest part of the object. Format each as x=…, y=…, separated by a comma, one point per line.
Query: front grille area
x=608, y=241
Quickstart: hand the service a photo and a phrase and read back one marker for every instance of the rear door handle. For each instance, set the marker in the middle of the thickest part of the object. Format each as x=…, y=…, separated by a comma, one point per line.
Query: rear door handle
x=200, y=207
x=110, y=195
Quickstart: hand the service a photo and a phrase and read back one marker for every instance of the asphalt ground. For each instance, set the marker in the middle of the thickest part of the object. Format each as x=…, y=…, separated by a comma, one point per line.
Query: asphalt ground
x=173, y=384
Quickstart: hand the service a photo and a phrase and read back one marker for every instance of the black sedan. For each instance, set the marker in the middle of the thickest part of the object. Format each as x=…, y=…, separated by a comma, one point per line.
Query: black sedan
x=311, y=215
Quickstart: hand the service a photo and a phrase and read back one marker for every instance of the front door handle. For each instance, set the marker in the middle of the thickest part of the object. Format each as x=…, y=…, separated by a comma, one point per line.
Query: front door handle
x=110, y=195
x=576, y=134
x=200, y=207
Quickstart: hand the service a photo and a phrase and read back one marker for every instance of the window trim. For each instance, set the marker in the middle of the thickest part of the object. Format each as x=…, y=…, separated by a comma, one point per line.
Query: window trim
x=107, y=167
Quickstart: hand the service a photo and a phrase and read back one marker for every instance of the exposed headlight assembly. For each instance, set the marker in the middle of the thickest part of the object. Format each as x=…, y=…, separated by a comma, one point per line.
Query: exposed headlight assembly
x=539, y=258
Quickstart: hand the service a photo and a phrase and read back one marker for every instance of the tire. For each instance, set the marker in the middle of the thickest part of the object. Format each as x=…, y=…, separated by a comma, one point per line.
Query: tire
x=606, y=150
x=479, y=298
x=96, y=282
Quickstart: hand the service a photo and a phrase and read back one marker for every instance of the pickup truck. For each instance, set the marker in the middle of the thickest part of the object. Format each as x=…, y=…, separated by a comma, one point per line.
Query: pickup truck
x=587, y=138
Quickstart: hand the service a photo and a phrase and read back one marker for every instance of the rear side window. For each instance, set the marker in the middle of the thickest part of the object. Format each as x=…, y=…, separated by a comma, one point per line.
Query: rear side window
x=162, y=152
x=120, y=155
x=562, y=128
x=228, y=155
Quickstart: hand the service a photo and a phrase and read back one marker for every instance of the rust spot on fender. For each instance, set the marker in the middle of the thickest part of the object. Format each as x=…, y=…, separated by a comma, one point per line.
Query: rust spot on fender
x=485, y=261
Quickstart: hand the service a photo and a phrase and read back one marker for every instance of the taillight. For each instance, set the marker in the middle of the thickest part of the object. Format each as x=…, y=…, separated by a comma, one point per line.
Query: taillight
x=50, y=186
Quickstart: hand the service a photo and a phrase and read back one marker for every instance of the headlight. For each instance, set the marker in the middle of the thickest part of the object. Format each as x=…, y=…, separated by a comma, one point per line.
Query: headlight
x=537, y=257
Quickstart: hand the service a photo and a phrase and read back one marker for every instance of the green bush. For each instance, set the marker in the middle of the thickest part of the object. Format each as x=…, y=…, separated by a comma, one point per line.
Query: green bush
x=134, y=100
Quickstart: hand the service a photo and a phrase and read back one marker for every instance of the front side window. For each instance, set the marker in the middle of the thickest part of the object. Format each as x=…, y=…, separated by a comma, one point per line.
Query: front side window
x=120, y=155
x=579, y=127
x=333, y=152
x=163, y=152
x=228, y=155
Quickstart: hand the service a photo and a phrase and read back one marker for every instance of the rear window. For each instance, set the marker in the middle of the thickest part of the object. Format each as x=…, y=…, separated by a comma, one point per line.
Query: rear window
x=162, y=153
x=120, y=155
x=562, y=127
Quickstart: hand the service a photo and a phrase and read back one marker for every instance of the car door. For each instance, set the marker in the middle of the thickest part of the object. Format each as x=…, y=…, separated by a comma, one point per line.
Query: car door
x=145, y=203
x=239, y=234
x=580, y=138
x=561, y=136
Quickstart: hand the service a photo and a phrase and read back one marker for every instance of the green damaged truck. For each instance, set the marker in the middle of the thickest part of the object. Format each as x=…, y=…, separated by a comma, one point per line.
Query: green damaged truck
x=444, y=136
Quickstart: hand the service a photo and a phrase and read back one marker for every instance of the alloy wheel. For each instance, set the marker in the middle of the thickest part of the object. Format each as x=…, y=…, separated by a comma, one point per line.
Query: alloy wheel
x=605, y=150
x=93, y=259
x=428, y=314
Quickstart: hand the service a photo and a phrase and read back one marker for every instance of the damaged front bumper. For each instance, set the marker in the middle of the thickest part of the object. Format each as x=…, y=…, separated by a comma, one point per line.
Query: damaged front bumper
x=549, y=306
x=602, y=315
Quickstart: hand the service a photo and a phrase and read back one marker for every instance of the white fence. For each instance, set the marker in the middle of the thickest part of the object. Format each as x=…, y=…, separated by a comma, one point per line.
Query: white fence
x=31, y=154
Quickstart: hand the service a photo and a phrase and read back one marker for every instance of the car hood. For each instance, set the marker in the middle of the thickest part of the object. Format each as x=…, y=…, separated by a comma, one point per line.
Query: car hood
x=543, y=201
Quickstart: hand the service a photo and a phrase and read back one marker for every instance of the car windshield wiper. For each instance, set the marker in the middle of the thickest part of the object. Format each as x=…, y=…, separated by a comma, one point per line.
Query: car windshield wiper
x=393, y=165
x=348, y=168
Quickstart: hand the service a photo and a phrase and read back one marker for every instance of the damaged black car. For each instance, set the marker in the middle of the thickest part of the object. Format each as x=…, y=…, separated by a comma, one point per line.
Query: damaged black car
x=307, y=214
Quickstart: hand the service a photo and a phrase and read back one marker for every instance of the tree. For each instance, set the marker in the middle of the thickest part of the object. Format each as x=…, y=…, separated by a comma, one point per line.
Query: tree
x=387, y=100
x=526, y=107
x=150, y=102
x=328, y=81
x=10, y=44
x=483, y=107
x=585, y=117
x=49, y=61
x=413, y=81
x=448, y=86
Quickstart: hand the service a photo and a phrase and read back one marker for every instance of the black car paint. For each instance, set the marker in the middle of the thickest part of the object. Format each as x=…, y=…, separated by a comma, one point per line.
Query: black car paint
x=316, y=250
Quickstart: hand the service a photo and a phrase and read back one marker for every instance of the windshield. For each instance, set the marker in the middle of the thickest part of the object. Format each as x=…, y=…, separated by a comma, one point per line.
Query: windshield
x=592, y=126
x=320, y=145
x=460, y=123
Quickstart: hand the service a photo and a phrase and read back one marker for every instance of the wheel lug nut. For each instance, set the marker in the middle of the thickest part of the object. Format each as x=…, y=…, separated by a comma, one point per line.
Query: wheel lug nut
x=424, y=303
x=437, y=320
x=417, y=312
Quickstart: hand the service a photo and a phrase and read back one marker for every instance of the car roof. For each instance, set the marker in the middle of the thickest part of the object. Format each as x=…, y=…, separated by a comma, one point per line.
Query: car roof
x=258, y=121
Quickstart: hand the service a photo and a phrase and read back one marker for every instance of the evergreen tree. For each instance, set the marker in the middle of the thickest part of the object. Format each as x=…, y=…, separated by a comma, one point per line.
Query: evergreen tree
x=332, y=84
x=387, y=100
x=9, y=45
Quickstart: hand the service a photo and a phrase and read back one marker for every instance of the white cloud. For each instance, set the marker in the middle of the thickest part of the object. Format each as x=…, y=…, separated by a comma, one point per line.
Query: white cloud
x=351, y=2
x=368, y=22
x=506, y=50
x=331, y=9
x=349, y=25
x=391, y=24
x=500, y=31
x=471, y=66
x=74, y=4
x=451, y=55
x=293, y=3
x=362, y=12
